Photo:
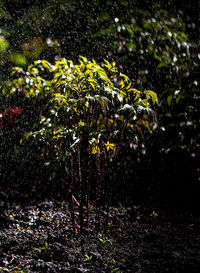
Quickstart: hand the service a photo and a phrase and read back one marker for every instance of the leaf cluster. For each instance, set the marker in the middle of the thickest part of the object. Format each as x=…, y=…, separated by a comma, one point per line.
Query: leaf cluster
x=86, y=101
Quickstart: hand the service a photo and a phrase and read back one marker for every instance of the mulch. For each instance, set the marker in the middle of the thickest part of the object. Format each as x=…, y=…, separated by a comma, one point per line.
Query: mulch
x=39, y=238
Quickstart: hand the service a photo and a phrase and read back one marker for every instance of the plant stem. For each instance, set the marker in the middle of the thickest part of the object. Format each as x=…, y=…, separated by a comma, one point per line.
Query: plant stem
x=80, y=190
x=98, y=182
x=71, y=193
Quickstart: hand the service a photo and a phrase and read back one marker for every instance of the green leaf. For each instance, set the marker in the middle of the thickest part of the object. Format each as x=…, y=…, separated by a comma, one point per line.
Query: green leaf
x=16, y=70
x=108, y=65
x=82, y=123
x=18, y=58
x=162, y=64
x=125, y=77
x=153, y=95
x=46, y=64
x=28, y=135
x=3, y=13
x=179, y=97
x=131, y=46
x=169, y=99
x=3, y=44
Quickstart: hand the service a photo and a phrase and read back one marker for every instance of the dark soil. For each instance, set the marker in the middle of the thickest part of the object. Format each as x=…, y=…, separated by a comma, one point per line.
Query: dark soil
x=40, y=239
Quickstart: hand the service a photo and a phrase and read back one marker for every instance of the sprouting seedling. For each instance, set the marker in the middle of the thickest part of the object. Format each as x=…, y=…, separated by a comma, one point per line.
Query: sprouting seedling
x=154, y=214
x=87, y=211
x=76, y=225
x=90, y=206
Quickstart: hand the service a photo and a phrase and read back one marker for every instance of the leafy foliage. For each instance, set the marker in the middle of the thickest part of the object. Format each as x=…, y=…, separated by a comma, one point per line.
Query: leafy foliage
x=85, y=99
x=92, y=112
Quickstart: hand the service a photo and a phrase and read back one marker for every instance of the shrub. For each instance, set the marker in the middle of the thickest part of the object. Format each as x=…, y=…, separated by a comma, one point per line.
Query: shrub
x=89, y=114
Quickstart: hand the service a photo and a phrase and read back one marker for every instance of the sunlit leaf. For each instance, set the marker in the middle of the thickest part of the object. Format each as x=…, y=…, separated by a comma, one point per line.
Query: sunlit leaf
x=153, y=96
x=28, y=135
x=110, y=146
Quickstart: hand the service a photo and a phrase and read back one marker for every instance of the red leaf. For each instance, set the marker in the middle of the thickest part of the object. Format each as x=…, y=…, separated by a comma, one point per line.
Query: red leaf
x=14, y=111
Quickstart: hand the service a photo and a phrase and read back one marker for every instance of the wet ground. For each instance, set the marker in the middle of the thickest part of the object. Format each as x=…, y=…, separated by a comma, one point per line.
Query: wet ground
x=39, y=239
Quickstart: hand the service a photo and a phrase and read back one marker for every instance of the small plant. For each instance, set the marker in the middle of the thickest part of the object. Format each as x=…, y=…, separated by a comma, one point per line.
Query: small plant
x=89, y=112
x=154, y=214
